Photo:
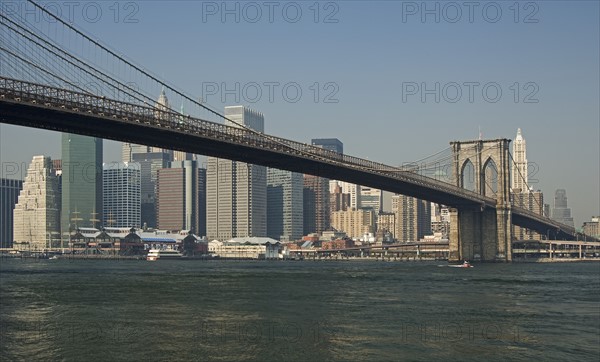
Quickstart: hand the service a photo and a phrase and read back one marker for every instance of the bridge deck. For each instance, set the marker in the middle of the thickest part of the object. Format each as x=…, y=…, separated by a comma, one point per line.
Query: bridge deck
x=41, y=106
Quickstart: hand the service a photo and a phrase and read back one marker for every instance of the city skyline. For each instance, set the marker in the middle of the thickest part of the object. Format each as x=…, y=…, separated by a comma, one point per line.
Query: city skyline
x=566, y=114
x=323, y=180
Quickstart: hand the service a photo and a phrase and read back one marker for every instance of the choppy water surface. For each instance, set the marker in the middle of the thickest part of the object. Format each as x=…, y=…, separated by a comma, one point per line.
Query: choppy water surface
x=302, y=311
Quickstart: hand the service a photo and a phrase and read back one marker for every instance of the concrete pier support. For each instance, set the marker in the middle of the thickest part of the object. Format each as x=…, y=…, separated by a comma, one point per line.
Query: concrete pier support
x=474, y=235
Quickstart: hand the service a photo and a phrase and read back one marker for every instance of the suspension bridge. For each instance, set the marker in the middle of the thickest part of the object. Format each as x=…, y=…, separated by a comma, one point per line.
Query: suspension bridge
x=54, y=76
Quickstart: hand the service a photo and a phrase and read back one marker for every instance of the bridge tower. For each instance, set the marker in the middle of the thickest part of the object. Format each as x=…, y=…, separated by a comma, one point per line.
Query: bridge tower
x=480, y=232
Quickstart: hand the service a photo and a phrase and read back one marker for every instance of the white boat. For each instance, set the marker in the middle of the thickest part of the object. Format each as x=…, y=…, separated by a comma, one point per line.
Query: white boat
x=155, y=254
x=465, y=264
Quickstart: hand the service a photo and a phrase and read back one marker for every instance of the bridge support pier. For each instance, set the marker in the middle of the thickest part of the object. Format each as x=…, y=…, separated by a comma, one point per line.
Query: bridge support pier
x=479, y=235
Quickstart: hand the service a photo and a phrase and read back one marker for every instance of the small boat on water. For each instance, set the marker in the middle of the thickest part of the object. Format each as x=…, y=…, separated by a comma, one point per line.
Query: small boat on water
x=155, y=254
x=465, y=264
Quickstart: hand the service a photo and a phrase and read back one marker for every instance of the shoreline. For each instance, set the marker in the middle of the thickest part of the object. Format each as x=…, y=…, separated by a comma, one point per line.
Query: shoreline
x=391, y=260
x=555, y=260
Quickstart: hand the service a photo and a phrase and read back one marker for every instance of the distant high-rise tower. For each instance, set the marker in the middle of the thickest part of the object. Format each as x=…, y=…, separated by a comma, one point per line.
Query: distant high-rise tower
x=348, y=188
x=522, y=194
x=180, y=195
x=130, y=149
x=317, y=209
x=236, y=203
x=519, y=166
x=284, y=205
x=162, y=104
x=9, y=195
x=81, y=183
x=150, y=163
x=413, y=218
x=338, y=201
x=182, y=155
x=121, y=196
x=331, y=144
x=371, y=198
x=37, y=212
x=560, y=211
x=316, y=204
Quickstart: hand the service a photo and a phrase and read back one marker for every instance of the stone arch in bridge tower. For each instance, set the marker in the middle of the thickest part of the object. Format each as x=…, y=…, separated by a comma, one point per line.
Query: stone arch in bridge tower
x=489, y=174
x=467, y=175
x=483, y=154
x=481, y=232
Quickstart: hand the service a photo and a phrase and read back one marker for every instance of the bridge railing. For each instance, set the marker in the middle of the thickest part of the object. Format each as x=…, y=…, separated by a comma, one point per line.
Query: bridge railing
x=166, y=118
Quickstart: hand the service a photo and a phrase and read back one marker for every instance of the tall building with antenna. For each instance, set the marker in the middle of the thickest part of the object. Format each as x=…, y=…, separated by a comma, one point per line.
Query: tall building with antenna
x=523, y=194
x=519, y=166
x=130, y=149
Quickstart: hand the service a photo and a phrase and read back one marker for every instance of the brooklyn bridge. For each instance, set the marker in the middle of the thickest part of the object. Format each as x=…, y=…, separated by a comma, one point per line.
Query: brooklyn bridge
x=73, y=83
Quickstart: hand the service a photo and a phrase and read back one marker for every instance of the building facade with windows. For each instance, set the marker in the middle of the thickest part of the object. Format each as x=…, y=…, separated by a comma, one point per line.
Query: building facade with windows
x=36, y=220
x=121, y=196
x=236, y=202
x=284, y=205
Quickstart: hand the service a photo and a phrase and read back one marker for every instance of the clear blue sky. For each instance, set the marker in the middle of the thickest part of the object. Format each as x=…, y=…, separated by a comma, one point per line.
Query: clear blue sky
x=368, y=54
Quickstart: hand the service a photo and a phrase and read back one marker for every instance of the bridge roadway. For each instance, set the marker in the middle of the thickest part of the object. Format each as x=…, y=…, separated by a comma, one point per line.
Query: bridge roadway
x=41, y=106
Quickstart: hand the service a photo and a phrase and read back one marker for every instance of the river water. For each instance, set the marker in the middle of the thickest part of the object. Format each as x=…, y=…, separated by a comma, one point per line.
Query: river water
x=99, y=310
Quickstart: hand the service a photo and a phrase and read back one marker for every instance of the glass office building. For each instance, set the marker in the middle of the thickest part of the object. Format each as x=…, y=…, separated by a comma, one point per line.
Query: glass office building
x=81, y=182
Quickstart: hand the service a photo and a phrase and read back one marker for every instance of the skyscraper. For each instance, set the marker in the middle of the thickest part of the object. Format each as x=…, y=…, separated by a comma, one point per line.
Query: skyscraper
x=331, y=144
x=317, y=209
x=150, y=163
x=81, y=183
x=413, y=218
x=519, y=166
x=9, y=195
x=348, y=188
x=236, y=203
x=522, y=194
x=130, y=149
x=560, y=211
x=121, y=196
x=180, y=197
x=316, y=204
x=338, y=201
x=284, y=205
x=36, y=214
x=220, y=199
x=371, y=198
